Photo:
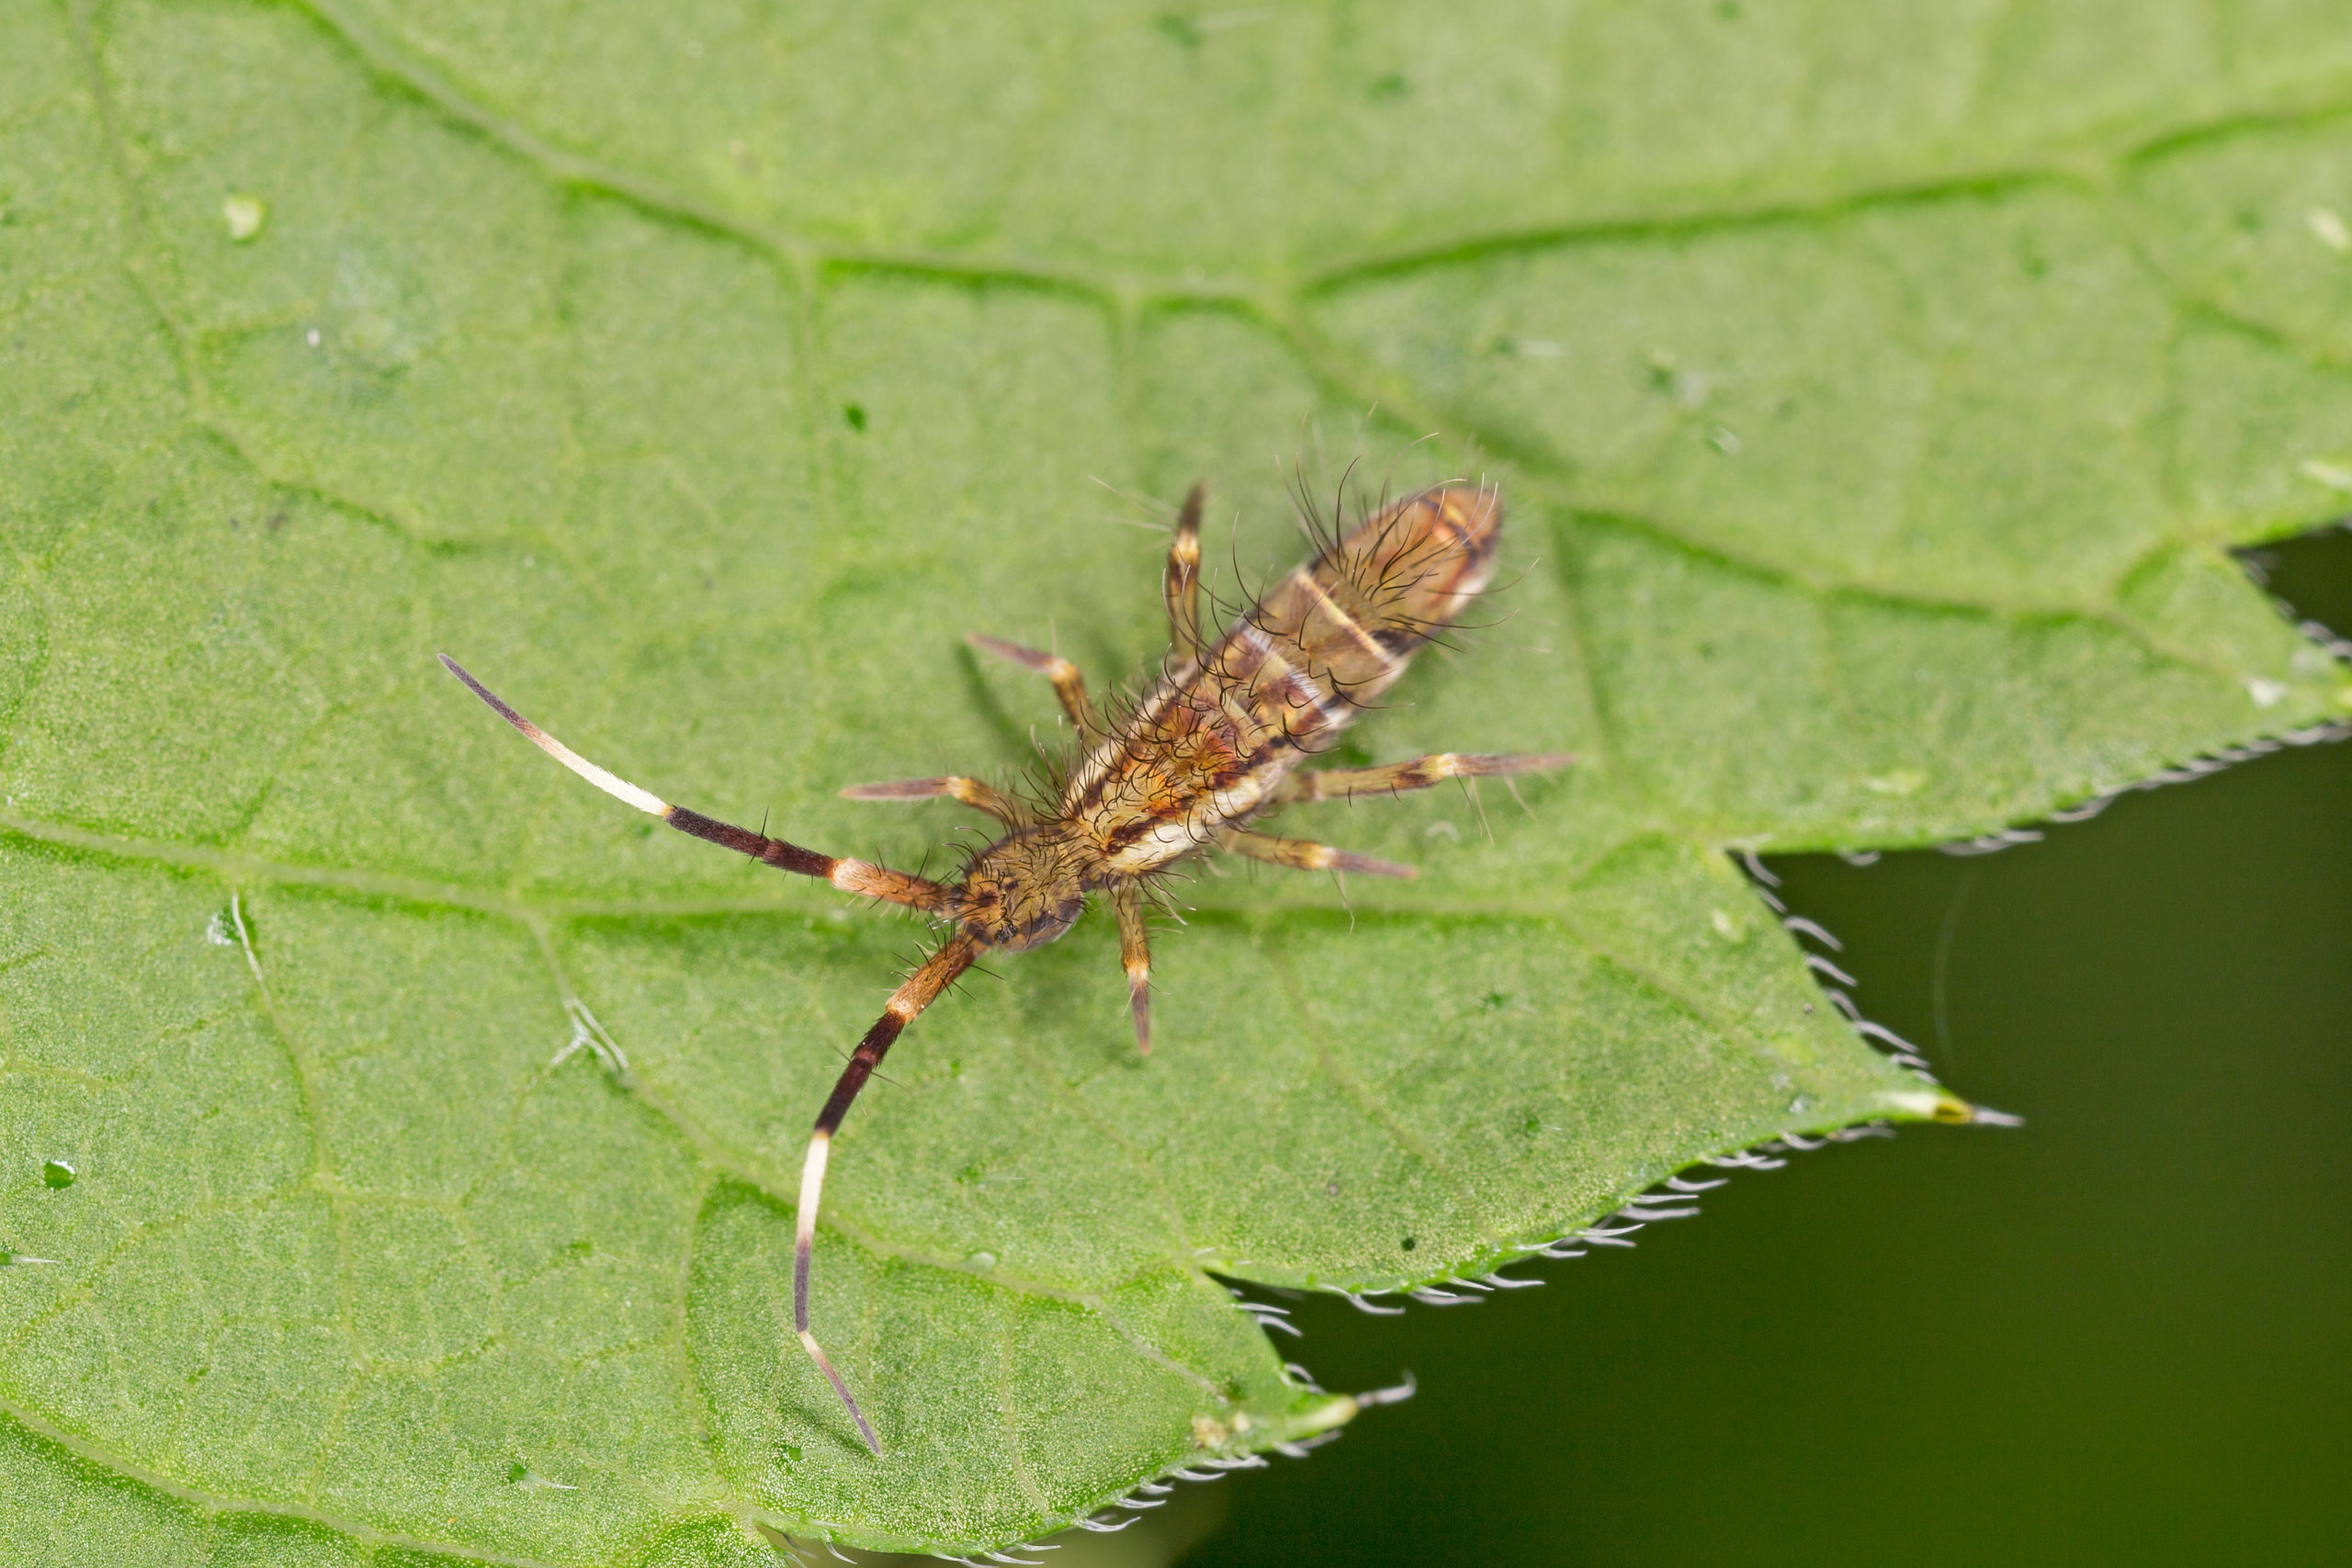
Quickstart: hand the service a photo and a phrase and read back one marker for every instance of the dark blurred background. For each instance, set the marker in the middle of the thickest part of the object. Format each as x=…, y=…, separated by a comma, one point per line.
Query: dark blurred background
x=2119, y=1334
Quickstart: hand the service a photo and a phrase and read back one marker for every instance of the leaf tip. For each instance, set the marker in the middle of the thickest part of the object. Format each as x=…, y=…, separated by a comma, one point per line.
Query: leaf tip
x=1938, y=1106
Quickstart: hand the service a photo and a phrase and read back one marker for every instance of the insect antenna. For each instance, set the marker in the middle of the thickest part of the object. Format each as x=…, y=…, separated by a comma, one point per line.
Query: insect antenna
x=920, y=989
x=849, y=875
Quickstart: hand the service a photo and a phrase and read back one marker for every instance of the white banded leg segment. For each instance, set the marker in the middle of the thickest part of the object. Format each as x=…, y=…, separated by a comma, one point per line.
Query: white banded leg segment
x=1180, y=584
x=971, y=792
x=1135, y=957
x=1070, y=685
x=1422, y=773
x=1305, y=854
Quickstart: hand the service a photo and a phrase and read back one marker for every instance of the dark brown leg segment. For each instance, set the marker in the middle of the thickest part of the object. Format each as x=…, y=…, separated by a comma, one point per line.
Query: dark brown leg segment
x=921, y=988
x=1135, y=957
x=1068, y=684
x=1422, y=773
x=850, y=876
x=1180, y=586
x=1305, y=854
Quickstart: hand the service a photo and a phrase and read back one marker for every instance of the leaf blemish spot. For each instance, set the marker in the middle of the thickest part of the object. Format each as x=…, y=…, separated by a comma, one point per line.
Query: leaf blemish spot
x=853, y=414
x=244, y=216
x=56, y=1175
x=524, y=1476
x=1667, y=374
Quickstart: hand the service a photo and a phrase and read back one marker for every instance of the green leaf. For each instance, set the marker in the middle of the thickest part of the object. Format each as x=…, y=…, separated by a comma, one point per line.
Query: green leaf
x=1877, y=399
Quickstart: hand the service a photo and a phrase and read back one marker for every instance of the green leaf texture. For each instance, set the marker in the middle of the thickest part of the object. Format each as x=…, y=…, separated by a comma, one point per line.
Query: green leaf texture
x=1877, y=394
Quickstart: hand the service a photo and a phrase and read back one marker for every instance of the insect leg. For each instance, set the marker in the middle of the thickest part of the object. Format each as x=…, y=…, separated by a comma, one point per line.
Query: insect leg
x=971, y=792
x=1180, y=585
x=850, y=876
x=1068, y=684
x=921, y=988
x=1422, y=773
x=1305, y=854
x=1134, y=956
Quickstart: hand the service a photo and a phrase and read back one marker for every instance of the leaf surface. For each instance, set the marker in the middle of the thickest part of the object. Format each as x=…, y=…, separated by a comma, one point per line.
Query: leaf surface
x=1877, y=403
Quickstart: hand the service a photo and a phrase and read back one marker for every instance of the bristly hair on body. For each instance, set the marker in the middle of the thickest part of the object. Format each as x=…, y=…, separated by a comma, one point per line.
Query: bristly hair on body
x=1189, y=763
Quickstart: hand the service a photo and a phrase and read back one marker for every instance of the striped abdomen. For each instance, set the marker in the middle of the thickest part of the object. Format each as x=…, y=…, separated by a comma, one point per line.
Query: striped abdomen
x=1211, y=745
